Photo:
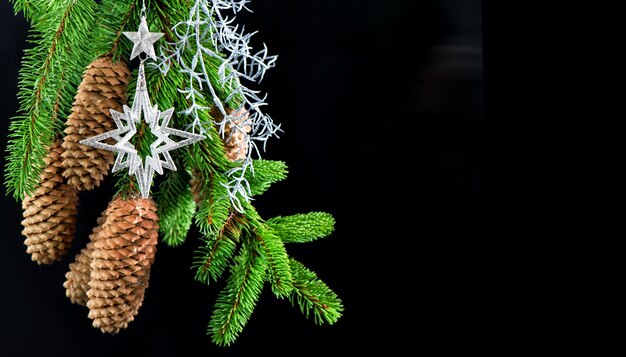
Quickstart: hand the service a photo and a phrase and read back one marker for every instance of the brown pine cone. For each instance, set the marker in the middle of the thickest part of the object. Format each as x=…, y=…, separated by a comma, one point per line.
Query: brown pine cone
x=234, y=139
x=103, y=88
x=77, y=279
x=121, y=261
x=50, y=213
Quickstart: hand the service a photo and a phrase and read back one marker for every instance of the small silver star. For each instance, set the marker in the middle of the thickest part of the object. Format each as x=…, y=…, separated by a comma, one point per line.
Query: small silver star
x=143, y=40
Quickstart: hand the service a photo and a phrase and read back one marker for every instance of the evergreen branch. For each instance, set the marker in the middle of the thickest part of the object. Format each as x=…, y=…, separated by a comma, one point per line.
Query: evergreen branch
x=114, y=17
x=214, y=207
x=176, y=207
x=50, y=70
x=303, y=228
x=264, y=174
x=273, y=251
x=30, y=8
x=313, y=296
x=236, y=302
x=212, y=259
x=56, y=108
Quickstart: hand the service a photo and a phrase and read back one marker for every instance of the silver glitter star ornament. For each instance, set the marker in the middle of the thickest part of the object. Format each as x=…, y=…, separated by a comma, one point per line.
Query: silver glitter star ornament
x=158, y=121
x=143, y=40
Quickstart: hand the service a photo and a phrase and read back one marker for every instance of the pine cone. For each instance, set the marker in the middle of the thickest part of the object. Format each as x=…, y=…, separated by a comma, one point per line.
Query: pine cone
x=103, y=88
x=77, y=279
x=121, y=261
x=50, y=213
x=234, y=139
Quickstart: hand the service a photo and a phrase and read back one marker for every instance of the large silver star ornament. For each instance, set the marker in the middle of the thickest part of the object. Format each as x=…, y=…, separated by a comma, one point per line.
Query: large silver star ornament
x=126, y=127
x=143, y=40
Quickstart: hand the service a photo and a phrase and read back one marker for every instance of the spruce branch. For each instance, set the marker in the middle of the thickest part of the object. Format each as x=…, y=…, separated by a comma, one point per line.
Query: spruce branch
x=212, y=260
x=176, y=207
x=236, y=302
x=214, y=209
x=273, y=251
x=114, y=17
x=28, y=7
x=303, y=228
x=263, y=174
x=313, y=296
x=51, y=69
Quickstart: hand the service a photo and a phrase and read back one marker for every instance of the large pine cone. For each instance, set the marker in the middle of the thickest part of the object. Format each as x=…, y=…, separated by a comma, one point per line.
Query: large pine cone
x=77, y=279
x=121, y=261
x=50, y=213
x=234, y=139
x=103, y=88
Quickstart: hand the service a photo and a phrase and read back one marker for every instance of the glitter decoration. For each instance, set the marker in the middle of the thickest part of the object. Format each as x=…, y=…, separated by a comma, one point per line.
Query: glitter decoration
x=158, y=121
x=143, y=40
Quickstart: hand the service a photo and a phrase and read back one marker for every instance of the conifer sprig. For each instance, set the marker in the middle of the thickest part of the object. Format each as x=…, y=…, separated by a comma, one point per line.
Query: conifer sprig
x=273, y=251
x=28, y=7
x=176, y=207
x=313, y=296
x=114, y=18
x=212, y=259
x=50, y=69
x=264, y=173
x=303, y=228
x=236, y=302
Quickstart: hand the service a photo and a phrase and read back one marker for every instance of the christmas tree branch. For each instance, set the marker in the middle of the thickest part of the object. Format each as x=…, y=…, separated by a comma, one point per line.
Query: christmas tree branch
x=114, y=17
x=176, y=207
x=215, y=207
x=303, y=228
x=212, y=260
x=314, y=296
x=264, y=173
x=236, y=302
x=273, y=251
x=50, y=70
x=28, y=7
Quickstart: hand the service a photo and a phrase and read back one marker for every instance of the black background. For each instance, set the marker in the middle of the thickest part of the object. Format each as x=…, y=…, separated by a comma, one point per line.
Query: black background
x=382, y=107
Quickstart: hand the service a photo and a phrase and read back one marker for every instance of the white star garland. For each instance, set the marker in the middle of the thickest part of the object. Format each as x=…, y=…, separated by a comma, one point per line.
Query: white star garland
x=158, y=121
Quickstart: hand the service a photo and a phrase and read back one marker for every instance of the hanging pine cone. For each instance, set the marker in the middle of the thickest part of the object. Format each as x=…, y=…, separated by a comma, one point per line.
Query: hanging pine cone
x=77, y=279
x=50, y=213
x=234, y=139
x=103, y=88
x=121, y=261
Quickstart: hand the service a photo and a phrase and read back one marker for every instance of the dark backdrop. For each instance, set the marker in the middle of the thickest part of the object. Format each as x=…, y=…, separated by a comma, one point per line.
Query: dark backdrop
x=382, y=107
